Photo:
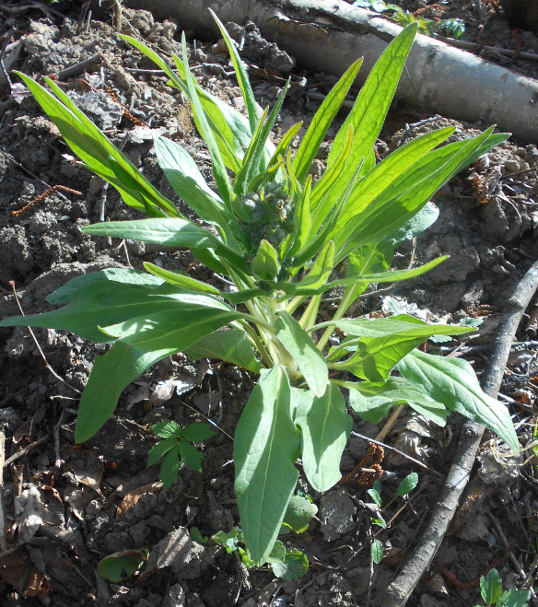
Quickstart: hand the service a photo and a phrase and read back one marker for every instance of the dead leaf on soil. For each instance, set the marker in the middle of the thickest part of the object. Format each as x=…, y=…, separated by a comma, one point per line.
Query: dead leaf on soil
x=24, y=576
x=133, y=496
x=28, y=513
x=87, y=469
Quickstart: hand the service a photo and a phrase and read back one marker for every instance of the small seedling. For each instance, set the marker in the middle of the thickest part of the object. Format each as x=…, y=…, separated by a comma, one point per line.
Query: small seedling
x=492, y=593
x=121, y=565
x=404, y=488
x=177, y=447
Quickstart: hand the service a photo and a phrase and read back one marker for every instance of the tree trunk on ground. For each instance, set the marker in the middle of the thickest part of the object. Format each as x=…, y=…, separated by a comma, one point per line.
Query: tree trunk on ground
x=328, y=36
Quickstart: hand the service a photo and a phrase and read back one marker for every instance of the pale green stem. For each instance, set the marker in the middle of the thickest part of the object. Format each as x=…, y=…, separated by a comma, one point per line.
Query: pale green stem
x=259, y=345
x=309, y=315
x=294, y=304
x=344, y=305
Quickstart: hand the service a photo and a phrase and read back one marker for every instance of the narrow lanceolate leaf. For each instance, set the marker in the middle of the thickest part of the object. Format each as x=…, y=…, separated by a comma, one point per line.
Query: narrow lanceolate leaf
x=452, y=381
x=265, y=264
x=180, y=279
x=242, y=76
x=325, y=428
x=142, y=342
x=231, y=345
x=302, y=220
x=373, y=400
x=377, y=356
x=321, y=269
x=374, y=327
x=308, y=358
x=375, y=97
x=321, y=122
x=170, y=232
x=266, y=446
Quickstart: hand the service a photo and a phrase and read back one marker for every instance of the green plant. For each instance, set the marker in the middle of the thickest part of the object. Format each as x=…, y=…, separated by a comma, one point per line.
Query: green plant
x=491, y=590
x=177, y=447
x=280, y=239
x=404, y=488
x=120, y=565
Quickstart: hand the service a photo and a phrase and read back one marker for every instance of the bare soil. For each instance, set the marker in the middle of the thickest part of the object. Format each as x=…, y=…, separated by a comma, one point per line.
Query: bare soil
x=67, y=506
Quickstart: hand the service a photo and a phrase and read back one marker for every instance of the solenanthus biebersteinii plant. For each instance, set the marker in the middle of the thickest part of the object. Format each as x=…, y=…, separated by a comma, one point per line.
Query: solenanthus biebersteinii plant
x=278, y=237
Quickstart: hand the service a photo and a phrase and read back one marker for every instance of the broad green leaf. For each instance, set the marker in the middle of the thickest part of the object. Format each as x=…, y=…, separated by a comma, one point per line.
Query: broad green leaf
x=325, y=428
x=180, y=279
x=170, y=467
x=64, y=294
x=299, y=513
x=219, y=170
x=452, y=381
x=115, y=567
x=373, y=400
x=388, y=171
x=190, y=185
x=376, y=551
x=167, y=428
x=375, y=357
x=170, y=232
x=278, y=553
x=375, y=97
x=192, y=458
x=231, y=345
x=144, y=341
x=265, y=263
x=228, y=540
x=408, y=484
x=308, y=358
x=158, y=451
x=266, y=446
x=242, y=76
x=514, y=598
x=294, y=566
x=321, y=269
x=103, y=303
x=197, y=432
x=491, y=587
x=374, y=327
x=415, y=226
x=374, y=494
x=322, y=120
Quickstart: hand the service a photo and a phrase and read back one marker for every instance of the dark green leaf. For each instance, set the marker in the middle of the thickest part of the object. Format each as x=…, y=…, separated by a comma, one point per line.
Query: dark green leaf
x=491, y=587
x=325, y=430
x=115, y=567
x=408, y=484
x=158, y=451
x=265, y=264
x=278, y=553
x=192, y=458
x=299, y=513
x=294, y=566
x=376, y=551
x=265, y=449
x=514, y=598
x=375, y=496
x=197, y=432
x=170, y=467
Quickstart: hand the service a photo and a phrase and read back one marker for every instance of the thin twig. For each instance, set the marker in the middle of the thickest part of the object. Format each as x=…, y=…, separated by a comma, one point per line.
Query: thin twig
x=78, y=68
x=3, y=539
x=400, y=453
x=58, y=377
x=473, y=46
x=59, y=461
x=403, y=585
x=26, y=450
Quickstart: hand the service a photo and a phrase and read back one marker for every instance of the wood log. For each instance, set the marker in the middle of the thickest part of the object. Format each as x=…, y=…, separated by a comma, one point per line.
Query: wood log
x=327, y=35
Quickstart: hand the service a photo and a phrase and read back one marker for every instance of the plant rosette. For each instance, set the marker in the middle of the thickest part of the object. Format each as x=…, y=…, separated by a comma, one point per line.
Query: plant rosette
x=283, y=242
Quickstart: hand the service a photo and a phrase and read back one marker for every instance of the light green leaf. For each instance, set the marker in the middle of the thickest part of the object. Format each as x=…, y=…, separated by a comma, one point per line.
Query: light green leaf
x=491, y=587
x=167, y=428
x=265, y=263
x=321, y=269
x=115, y=567
x=299, y=513
x=452, y=381
x=374, y=327
x=265, y=449
x=376, y=551
x=514, y=598
x=375, y=357
x=408, y=484
x=144, y=341
x=180, y=279
x=374, y=494
x=170, y=232
x=308, y=358
x=192, y=458
x=373, y=400
x=325, y=428
x=231, y=345
x=278, y=553
x=294, y=566
x=229, y=541
x=301, y=220
x=322, y=120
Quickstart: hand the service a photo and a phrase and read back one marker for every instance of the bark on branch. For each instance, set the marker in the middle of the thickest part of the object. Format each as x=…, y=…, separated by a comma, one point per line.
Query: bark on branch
x=327, y=35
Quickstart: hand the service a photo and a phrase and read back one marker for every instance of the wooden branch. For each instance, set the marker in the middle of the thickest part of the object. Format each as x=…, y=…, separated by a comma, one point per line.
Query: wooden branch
x=471, y=435
x=328, y=36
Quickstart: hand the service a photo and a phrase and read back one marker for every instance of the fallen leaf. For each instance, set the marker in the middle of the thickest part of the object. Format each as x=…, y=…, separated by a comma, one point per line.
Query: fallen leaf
x=133, y=496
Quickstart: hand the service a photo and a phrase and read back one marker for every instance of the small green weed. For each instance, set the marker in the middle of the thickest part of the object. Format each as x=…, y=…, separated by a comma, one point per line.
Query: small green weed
x=491, y=589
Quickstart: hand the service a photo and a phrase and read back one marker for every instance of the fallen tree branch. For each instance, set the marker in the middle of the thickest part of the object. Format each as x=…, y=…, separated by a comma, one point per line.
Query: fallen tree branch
x=328, y=36
x=401, y=588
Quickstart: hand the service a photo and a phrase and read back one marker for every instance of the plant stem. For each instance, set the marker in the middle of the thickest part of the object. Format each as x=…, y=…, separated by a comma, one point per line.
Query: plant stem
x=259, y=345
x=347, y=300
x=309, y=315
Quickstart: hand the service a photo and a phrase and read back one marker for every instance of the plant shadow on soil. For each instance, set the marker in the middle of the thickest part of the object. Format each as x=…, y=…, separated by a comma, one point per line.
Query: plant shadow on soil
x=72, y=505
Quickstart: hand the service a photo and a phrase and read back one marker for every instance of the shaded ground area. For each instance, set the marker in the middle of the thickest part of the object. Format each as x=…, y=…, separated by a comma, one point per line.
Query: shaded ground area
x=67, y=506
